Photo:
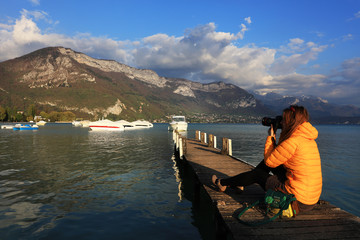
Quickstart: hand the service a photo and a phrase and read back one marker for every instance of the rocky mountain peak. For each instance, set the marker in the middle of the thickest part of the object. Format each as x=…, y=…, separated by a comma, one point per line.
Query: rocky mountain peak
x=59, y=67
x=145, y=75
x=49, y=69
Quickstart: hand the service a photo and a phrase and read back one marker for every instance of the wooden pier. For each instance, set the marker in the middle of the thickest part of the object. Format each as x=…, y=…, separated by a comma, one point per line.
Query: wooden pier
x=325, y=221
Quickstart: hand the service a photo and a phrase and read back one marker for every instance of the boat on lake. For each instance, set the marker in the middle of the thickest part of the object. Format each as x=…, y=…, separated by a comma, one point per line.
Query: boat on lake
x=25, y=127
x=7, y=126
x=76, y=123
x=127, y=125
x=40, y=123
x=142, y=124
x=106, y=125
x=178, y=123
x=120, y=125
x=85, y=123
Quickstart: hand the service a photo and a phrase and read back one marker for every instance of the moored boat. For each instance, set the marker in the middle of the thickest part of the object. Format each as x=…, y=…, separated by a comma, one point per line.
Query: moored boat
x=25, y=127
x=127, y=125
x=106, y=125
x=85, y=123
x=76, y=123
x=142, y=124
x=7, y=126
x=178, y=123
x=40, y=123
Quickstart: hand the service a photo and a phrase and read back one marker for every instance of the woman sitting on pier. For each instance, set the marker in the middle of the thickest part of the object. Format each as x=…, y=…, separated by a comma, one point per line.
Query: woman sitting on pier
x=294, y=161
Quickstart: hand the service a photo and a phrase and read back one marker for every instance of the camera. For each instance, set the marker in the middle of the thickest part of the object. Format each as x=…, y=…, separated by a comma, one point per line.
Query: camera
x=276, y=122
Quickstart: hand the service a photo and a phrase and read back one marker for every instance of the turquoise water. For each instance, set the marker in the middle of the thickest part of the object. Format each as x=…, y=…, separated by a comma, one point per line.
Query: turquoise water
x=340, y=152
x=62, y=182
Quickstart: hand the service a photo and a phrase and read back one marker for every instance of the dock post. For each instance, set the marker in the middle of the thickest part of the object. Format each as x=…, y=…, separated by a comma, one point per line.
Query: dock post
x=181, y=152
x=198, y=135
x=202, y=138
x=177, y=140
x=184, y=147
x=230, y=147
x=211, y=140
x=226, y=147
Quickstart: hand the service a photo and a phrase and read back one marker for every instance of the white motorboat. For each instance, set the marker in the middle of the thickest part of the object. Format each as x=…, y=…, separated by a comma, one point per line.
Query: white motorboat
x=40, y=123
x=7, y=126
x=142, y=124
x=127, y=125
x=106, y=125
x=178, y=123
x=85, y=123
x=76, y=123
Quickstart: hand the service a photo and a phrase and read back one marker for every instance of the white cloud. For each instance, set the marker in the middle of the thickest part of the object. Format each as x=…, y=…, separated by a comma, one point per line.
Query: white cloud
x=350, y=70
x=35, y=2
x=295, y=54
x=357, y=15
x=24, y=36
x=342, y=86
x=295, y=84
x=205, y=54
x=319, y=34
x=248, y=20
x=38, y=15
x=347, y=37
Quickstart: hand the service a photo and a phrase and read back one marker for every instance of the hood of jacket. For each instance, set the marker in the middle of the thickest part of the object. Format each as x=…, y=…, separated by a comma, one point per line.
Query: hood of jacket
x=306, y=130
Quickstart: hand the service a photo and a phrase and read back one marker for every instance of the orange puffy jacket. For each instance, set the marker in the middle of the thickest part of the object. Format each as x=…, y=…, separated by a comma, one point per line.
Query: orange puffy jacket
x=300, y=156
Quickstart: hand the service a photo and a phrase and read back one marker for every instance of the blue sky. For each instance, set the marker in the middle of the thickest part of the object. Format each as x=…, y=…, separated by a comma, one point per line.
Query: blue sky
x=290, y=47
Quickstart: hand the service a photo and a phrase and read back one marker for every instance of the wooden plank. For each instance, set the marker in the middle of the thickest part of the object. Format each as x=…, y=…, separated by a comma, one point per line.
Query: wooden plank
x=325, y=221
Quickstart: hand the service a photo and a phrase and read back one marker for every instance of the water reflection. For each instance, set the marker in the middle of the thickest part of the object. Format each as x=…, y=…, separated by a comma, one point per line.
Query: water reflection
x=23, y=214
x=63, y=182
x=178, y=178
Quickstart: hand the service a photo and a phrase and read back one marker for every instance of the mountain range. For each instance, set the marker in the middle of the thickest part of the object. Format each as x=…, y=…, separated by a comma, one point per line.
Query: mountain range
x=60, y=79
x=320, y=110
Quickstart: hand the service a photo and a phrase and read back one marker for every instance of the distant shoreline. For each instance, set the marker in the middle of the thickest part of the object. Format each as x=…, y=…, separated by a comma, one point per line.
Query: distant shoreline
x=313, y=122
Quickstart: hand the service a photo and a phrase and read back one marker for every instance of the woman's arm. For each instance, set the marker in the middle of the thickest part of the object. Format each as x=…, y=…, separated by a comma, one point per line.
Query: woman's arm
x=270, y=143
x=275, y=156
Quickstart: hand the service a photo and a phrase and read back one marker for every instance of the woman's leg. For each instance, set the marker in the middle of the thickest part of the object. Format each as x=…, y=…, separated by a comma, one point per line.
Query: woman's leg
x=247, y=178
x=258, y=175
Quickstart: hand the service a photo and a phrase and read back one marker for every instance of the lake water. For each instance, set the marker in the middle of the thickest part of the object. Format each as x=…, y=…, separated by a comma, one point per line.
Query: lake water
x=62, y=182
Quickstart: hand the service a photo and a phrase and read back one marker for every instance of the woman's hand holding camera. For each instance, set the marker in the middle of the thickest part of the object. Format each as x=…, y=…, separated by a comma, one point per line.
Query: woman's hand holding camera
x=271, y=131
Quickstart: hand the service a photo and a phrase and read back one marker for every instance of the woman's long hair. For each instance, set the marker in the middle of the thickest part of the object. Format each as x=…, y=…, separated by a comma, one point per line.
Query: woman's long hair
x=293, y=117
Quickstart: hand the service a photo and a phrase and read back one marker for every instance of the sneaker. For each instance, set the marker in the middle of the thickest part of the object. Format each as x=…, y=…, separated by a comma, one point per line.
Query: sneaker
x=216, y=182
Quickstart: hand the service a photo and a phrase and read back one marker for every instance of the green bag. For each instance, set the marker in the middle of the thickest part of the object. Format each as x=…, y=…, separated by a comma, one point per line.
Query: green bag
x=277, y=202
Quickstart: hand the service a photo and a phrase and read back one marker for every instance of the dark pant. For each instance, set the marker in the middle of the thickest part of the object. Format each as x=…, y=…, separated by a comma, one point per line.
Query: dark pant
x=261, y=175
